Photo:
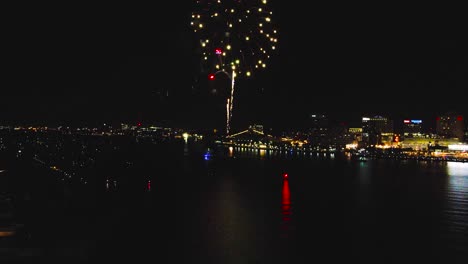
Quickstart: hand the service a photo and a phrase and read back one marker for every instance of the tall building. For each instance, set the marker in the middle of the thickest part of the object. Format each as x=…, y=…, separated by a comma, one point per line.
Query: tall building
x=376, y=130
x=412, y=128
x=318, y=129
x=339, y=135
x=356, y=133
x=450, y=125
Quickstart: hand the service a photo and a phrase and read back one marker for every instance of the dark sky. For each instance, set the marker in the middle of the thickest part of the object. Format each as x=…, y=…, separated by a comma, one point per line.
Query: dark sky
x=85, y=64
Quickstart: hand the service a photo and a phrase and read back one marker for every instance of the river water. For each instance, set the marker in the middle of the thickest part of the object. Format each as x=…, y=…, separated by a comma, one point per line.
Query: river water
x=182, y=204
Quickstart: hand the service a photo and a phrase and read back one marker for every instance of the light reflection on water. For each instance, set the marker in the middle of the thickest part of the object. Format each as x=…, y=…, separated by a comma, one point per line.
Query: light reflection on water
x=229, y=223
x=457, y=169
x=286, y=209
x=397, y=203
x=276, y=153
x=456, y=208
x=262, y=153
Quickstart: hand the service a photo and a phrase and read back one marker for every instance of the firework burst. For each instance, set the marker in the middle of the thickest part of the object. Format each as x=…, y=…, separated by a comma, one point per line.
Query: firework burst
x=236, y=38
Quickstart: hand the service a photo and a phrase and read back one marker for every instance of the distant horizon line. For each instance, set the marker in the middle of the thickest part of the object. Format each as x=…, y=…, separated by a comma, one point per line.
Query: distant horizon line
x=298, y=121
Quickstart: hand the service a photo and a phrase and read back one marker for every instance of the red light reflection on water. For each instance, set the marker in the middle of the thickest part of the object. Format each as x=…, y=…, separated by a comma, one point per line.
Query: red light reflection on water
x=286, y=209
x=286, y=201
x=149, y=185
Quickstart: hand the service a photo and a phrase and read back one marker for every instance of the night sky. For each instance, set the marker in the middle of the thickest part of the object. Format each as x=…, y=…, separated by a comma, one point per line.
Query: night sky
x=91, y=64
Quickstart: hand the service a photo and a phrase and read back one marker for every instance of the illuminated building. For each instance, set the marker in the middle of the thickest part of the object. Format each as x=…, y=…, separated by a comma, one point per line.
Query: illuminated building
x=423, y=144
x=339, y=136
x=450, y=125
x=318, y=129
x=355, y=133
x=412, y=128
x=377, y=130
x=458, y=147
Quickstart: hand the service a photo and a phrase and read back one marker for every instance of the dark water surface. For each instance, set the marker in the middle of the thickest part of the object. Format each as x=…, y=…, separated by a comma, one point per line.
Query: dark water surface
x=179, y=206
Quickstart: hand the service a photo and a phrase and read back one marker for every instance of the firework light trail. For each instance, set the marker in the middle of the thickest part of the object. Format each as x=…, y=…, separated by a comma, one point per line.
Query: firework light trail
x=236, y=38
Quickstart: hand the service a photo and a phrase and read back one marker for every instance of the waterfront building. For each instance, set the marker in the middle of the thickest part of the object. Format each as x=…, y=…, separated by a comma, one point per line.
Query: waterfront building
x=318, y=130
x=412, y=128
x=377, y=130
x=339, y=136
x=425, y=143
x=450, y=125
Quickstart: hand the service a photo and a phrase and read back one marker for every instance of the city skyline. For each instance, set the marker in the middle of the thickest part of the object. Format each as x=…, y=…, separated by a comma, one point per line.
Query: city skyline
x=106, y=65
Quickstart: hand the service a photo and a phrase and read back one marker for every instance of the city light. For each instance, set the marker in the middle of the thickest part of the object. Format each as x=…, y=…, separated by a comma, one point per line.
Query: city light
x=458, y=147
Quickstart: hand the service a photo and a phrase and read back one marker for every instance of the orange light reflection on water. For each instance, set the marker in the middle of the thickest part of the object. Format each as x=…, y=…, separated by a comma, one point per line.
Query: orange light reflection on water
x=6, y=233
